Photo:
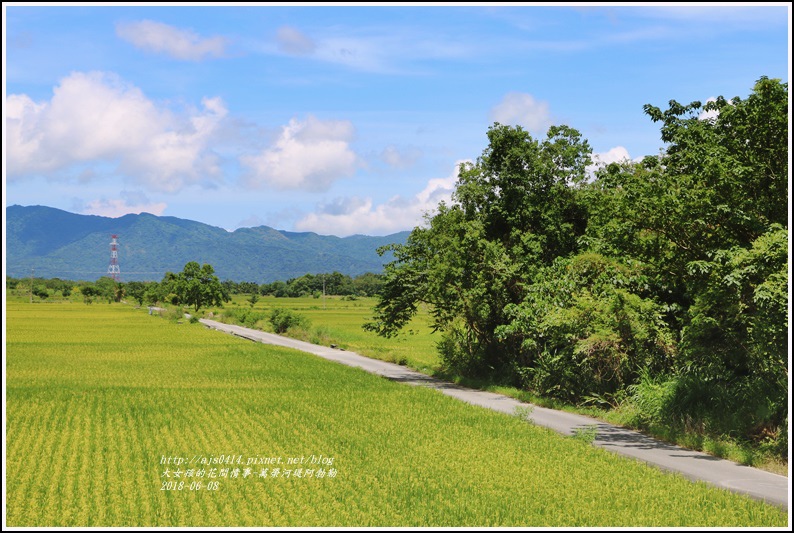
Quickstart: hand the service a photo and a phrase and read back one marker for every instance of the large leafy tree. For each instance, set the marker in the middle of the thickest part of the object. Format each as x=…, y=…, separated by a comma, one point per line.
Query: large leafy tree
x=721, y=181
x=136, y=290
x=674, y=265
x=589, y=329
x=198, y=286
x=720, y=185
x=707, y=219
x=512, y=212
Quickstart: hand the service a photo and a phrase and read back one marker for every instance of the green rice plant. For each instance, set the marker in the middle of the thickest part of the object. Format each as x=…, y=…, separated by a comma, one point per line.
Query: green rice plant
x=101, y=401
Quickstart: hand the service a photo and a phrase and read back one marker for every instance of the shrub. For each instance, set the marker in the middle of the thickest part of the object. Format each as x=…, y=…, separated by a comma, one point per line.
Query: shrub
x=740, y=409
x=41, y=292
x=284, y=319
x=244, y=316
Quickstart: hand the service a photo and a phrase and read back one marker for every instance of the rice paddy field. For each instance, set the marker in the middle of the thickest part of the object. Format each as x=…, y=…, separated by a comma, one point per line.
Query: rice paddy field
x=119, y=418
x=340, y=321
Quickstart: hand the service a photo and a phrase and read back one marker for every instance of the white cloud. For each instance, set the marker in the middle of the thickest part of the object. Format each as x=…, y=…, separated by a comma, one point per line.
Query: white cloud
x=309, y=155
x=97, y=118
x=521, y=109
x=349, y=216
x=292, y=41
x=613, y=155
x=709, y=115
x=115, y=208
x=23, y=134
x=176, y=42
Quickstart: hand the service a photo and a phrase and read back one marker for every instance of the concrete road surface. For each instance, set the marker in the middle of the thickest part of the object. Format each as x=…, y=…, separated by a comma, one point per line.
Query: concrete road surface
x=759, y=484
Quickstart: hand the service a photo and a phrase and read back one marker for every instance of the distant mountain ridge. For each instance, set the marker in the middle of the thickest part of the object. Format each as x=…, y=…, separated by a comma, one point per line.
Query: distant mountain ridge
x=55, y=243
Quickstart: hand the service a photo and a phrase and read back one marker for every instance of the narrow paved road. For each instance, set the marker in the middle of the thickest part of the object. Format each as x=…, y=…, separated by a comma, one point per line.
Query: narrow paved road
x=758, y=484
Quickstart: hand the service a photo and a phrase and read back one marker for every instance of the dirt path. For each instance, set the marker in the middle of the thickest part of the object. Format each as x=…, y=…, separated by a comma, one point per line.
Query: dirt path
x=753, y=482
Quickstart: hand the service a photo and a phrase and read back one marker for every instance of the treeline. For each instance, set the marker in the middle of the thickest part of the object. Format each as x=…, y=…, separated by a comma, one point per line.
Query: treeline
x=658, y=286
x=335, y=284
x=56, y=288
x=166, y=291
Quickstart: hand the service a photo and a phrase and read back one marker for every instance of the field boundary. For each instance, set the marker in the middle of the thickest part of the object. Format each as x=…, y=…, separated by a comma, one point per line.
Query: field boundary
x=696, y=466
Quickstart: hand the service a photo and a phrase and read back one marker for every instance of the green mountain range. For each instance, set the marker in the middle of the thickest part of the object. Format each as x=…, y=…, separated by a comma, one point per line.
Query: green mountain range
x=51, y=243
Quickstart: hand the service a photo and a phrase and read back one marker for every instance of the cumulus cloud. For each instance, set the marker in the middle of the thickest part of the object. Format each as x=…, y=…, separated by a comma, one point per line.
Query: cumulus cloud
x=309, y=155
x=293, y=42
x=709, y=115
x=164, y=39
x=23, y=134
x=617, y=154
x=96, y=117
x=521, y=109
x=352, y=215
x=613, y=155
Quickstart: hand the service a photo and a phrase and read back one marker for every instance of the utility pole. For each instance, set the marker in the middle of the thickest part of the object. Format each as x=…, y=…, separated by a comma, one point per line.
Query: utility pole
x=31, y=285
x=323, y=291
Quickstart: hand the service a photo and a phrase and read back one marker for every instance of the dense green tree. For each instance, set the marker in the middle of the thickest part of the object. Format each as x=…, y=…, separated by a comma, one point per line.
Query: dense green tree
x=284, y=319
x=589, y=329
x=198, y=286
x=670, y=270
x=736, y=329
x=368, y=284
x=89, y=292
x=717, y=192
x=109, y=289
x=58, y=285
x=706, y=220
x=153, y=294
x=41, y=292
x=166, y=291
x=247, y=287
x=302, y=286
x=335, y=283
x=277, y=289
x=136, y=290
x=230, y=287
x=513, y=211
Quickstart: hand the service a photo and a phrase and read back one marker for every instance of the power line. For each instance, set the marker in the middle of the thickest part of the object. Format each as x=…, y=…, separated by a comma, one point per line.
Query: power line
x=92, y=271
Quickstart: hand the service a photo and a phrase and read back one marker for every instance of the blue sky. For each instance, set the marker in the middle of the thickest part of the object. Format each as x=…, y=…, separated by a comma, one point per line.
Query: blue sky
x=340, y=119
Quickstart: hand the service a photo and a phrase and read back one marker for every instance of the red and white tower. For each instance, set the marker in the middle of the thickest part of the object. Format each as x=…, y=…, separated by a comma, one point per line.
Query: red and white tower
x=113, y=268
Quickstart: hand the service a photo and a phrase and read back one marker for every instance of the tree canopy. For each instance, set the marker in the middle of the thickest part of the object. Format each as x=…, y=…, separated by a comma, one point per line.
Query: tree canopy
x=579, y=283
x=198, y=286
